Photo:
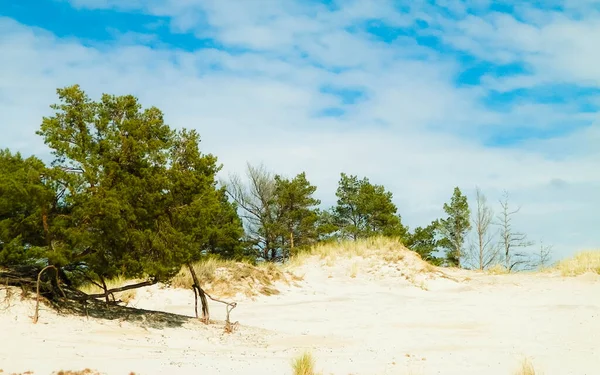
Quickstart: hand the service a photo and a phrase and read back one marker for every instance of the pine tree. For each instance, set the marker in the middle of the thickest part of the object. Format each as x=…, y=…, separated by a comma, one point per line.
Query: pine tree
x=365, y=210
x=297, y=213
x=425, y=242
x=455, y=227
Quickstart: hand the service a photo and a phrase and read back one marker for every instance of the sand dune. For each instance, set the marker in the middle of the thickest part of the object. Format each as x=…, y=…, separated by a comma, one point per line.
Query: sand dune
x=356, y=317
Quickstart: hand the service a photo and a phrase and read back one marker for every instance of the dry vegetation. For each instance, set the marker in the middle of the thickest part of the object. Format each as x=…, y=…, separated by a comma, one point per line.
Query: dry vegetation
x=304, y=364
x=376, y=255
x=379, y=249
x=580, y=263
x=390, y=250
x=227, y=278
x=497, y=269
x=527, y=368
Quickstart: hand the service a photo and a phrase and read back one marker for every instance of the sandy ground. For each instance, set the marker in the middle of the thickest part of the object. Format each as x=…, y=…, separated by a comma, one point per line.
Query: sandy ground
x=374, y=323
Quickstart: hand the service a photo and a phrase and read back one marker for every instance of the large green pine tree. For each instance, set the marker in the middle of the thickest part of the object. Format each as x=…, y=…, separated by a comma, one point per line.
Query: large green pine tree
x=125, y=194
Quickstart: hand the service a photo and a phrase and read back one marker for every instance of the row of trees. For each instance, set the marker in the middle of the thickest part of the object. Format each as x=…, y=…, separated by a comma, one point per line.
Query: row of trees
x=126, y=194
x=282, y=214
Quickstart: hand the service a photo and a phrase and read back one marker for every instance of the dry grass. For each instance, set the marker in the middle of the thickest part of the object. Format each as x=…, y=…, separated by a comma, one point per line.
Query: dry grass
x=387, y=249
x=526, y=368
x=497, y=269
x=226, y=278
x=119, y=281
x=580, y=263
x=304, y=364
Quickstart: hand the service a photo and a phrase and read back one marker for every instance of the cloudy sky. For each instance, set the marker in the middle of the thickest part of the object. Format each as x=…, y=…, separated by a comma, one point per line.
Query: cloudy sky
x=418, y=97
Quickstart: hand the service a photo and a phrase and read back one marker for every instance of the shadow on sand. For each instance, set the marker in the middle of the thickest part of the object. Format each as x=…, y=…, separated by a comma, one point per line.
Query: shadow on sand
x=111, y=311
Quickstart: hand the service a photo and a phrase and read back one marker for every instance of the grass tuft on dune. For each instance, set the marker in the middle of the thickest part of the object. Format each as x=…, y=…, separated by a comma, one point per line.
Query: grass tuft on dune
x=580, y=263
x=304, y=364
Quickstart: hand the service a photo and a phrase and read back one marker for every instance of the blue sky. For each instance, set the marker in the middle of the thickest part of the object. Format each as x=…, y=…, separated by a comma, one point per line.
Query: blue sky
x=420, y=96
x=101, y=24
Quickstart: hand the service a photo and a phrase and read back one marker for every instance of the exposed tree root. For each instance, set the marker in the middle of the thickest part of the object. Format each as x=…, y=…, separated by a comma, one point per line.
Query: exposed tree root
x=50, y=289
x=229, y=327
x=37, y=296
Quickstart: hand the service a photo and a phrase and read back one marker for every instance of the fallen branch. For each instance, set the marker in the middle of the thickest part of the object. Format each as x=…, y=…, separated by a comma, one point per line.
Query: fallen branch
x=122, y=289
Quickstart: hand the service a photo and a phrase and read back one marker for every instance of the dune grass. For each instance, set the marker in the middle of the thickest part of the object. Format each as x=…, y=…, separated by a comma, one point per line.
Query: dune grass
x=304, y=364
x=388, y=249
x=497, y=269
x=226, y=278
x=580, y=263
x=527, y=368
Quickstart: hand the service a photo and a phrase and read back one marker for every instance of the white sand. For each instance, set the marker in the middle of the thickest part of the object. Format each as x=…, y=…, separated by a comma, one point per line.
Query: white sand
x=375, y=323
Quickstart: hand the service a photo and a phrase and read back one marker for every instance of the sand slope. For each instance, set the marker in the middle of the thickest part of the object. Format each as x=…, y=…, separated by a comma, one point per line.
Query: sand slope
x=378, y=322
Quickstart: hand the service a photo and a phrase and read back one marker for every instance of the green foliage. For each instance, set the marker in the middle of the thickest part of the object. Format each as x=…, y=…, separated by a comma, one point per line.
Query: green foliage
x=365, y=210
x=297, y=216
x=280, y=214
x=25, y=201
x=126, y=195
x=425, y=242
x=454, y=227
x=224, y=236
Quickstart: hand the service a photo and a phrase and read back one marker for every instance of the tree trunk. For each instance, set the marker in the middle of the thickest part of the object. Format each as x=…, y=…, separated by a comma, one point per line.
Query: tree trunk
x=197, y=289
x=105, y=289
x=291, y=244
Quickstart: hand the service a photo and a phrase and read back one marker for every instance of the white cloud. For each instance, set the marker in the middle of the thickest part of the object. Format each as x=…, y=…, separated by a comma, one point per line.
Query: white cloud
x=407, y=133
x=553, y=46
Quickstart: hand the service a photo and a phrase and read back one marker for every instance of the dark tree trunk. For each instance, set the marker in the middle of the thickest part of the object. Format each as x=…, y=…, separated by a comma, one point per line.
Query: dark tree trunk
x=198, y=291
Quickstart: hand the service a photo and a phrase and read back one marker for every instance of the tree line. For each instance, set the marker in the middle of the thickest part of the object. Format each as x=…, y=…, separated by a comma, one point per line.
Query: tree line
x=127, y=195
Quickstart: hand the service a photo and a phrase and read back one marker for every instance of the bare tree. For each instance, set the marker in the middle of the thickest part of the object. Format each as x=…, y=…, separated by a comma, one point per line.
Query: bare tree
x=258, y=208
x=512, y=243
x=544, y=256
x=486, y=251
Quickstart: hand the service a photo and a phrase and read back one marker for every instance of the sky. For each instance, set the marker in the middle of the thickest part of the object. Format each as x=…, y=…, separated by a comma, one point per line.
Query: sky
x=419, y=96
